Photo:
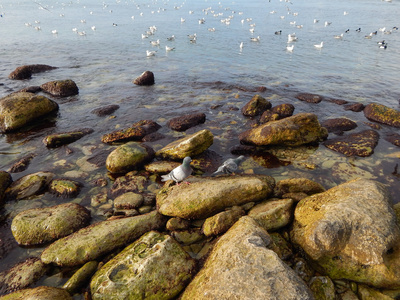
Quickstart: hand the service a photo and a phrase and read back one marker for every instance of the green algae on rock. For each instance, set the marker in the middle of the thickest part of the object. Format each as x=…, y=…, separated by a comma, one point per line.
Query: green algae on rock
x=204, y=197
x=191, y=145
x=29, y=185
x=19, y=109
x=39, y=293
x=101, y=238
x=59, y=139
x=5, y=181
x=382, y=114
x=42, y=225
x=297, y=185
x=65, y=187
x=81, y=277
x=153, y=267
x=221, y=222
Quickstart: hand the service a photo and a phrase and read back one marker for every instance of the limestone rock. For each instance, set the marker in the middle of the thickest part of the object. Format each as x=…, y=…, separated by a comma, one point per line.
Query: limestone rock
x=357, y=144
x=128, y=157
x=26, y=71
x=221, y=222
x=146, y=78
x=29, y=185
x=101, y=238
x=204, y=197
x=19, y=109
x=60, y=88
x=256, y=106
x=240, y=266
x=39, y=293
x=382, y=114
x=191, y=145
x=296, y=130
x=351, y=232
x=59, y=139
x=185, y=122
x=42, y=225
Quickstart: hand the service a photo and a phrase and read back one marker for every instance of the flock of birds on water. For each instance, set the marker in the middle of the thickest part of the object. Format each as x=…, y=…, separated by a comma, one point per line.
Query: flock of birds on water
x=226, y=16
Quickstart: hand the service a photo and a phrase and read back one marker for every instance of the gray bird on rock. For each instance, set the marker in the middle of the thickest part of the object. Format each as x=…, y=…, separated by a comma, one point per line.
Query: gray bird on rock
x=180, y=173
x=229, y=166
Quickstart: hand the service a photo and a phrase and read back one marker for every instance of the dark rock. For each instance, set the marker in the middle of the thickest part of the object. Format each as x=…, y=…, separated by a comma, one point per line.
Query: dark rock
x=338, y=125
x=243, y=150
x=256, y=106
x=105, y=110
x=135, y=133
x=147, y=78
x=5, y=181
x=393, y=138
x=261, y=89
x=356, y=107
x=277, y=112
x=382, y=114
x=59, y=139
x=310, y=98
x=31, y=89
x=25, y=72
x=152, y=137
x=357, y=144
x=185, y=122
x=338, y=101
x=99, y=159
x=22, y=164
x=60, y=88
x=129, y=183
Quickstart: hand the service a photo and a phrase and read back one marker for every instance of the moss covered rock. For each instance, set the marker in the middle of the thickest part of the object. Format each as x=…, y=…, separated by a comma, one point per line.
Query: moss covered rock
x=204, y=197
x=221, y=222
x=39, y=293
x=19, y=109
x=29, y=185
x=297, y=185
x=101, y=238
x=42, y=225
x=59, y=139
x=5, y=181
x=60, y=88
x=81, y=277
x=256, y=106
x=296, y=130
x=191, y=145
x=128, y=157
x=153, y=267
x=382, y=114
x=65, y=187
x=322, y=288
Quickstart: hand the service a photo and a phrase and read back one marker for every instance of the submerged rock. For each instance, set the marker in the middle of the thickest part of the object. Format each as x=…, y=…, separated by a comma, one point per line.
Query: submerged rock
x=297, y=130
x=185, y=122
x=60, y=88
x=29, y=185
x=59, y=139
x=22, y=164
x=146, y=78
x=19, y=109
x=191, y=145
x=256, y=106
x=310, y=98
x=204, y=197
x=338, y=125
x=153, y=267
x=351, y=232
x=65, y=187
x=42, y=225
x=357, y=144
x=105, y=110
x=101, y=238
x=26, y=71
x=240, y=266
x=382, y=114
x=135, y=133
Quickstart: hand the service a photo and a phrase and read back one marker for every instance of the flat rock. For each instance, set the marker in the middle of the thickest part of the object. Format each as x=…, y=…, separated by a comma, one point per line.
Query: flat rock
x=60, y=88
x=338, y=125
x=146, y=78
x=382, y=114
x=60, y=139
x=105, y=110
x=134, y=133
x=185, y=122
x=357, y=144
x=26, y=71
x=310, y=98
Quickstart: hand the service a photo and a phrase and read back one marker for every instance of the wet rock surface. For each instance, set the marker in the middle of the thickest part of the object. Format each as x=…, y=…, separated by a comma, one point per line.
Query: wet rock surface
x=185, y=122
x=256, y=106
x=146, y=78
x=382, y=114
x=26, y=71
x=310, y=98
x=59, y=139
x=60, y=88
x=338, y=125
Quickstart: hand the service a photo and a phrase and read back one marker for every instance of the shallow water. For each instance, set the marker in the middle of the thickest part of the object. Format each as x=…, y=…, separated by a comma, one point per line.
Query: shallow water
x=196, y=77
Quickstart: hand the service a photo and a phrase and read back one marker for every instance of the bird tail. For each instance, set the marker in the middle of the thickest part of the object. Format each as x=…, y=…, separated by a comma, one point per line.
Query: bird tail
x=164, y=177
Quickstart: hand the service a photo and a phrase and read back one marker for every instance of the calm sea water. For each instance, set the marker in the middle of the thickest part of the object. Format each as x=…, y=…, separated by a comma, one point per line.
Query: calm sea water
x=196, y=76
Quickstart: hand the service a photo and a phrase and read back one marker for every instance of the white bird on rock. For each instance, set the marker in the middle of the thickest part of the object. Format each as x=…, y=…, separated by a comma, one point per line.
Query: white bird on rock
x=229, y=166
x=180, y=173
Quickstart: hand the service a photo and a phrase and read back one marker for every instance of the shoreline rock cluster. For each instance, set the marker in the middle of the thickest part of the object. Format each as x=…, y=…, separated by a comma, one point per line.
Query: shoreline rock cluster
x=241, y=236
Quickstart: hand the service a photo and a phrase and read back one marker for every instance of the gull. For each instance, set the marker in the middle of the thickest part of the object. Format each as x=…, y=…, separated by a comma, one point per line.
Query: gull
x=345, y=13
x=339, y=36
x=180, y=173
x=82, y=33
x=292, y=37
x=382, y=29
x=290, y=48
x=150, y=53
x=144, y=36
x=192, y=36
x=171, y=38
x=316, y=21
x=299, y=26
x=327, y=23
x=182, y=20
x=241, y=46
x=38, y=28
x=93, y=28
x=155, y=43
x=202, y=21
x=211, y=29
x=54, y=31
x=167, y=48
x=75, y=29
x=83, y=21
x=255, y=39
x=319, y=46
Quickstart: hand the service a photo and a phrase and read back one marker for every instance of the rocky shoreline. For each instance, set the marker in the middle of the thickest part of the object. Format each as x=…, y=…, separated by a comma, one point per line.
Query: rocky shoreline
x=242, y=236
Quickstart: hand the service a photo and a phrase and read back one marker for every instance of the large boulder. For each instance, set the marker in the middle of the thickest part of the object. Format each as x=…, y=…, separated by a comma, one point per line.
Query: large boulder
x=42, y=225
x=190, y=145
x=382, y=114
x=128, y=157
x=19, y=109
x=296, y=130
x=153, y=267
x=101, y=238
x=240, y=266
x=204, y=197
x=26, y=71
x=351, y=232
x=29, y=185
x=61, y=88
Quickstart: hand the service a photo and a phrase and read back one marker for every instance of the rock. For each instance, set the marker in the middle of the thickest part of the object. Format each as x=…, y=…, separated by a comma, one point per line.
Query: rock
x=19, y=109
x=60, y=88
x=189, y=236
x=322, y=288
x=368, y=293
x=351, y=232
x=22, y=164
x=42, y=225
x=310, y=98
x=147, y=78
x=338, y=125
x=153, y=267
x=22, y=275
x=26, y=71
x=297, y=185
x=29, y=185
x=174, y=224
x=205, y=197
x=65, y=188
x=161, y=167
x=5, y=181
x=39, y=293
x=382, y=114
x=221, y=222
x=128, y=200
x=393, y=138
x=94, y=241
x=256, y=106
x=59, y=139
x=105, y=110
x=277, y=112
x=185, y=122
x=240, y=266
x=191, y=145
x=128, y=157
x=129, y=183
x=356, y=107
x=273, y=214
x=135, y=133
x=297, y=130
x=357, y=144
x=81, y=277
